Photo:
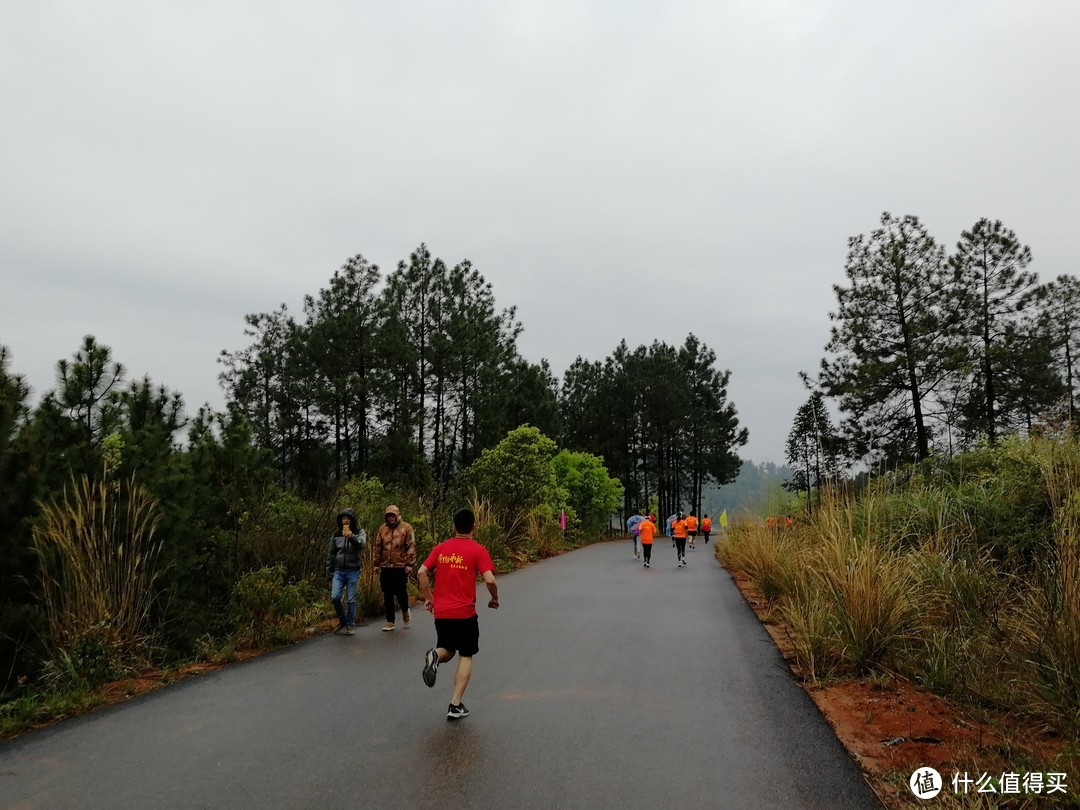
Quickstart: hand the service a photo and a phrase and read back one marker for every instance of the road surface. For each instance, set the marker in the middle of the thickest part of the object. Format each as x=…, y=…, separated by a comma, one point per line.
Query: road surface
x=598, y=684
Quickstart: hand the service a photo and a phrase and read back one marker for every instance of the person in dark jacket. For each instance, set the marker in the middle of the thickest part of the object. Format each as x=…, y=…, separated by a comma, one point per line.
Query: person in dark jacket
x=343, y=560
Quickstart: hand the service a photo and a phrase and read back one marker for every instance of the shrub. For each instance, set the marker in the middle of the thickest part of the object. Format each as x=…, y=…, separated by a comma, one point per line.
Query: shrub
x=266, y=607
x=89, y=658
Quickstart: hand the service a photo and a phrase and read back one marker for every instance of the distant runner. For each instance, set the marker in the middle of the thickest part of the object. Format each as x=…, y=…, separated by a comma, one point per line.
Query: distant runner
x=648, y=530
x=678, y=529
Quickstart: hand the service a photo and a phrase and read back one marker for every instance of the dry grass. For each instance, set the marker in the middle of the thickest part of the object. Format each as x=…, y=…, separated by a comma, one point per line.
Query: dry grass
x=99, y=559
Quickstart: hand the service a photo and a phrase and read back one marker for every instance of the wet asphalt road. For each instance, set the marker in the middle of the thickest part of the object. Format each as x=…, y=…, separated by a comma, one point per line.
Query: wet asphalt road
x=598, y=684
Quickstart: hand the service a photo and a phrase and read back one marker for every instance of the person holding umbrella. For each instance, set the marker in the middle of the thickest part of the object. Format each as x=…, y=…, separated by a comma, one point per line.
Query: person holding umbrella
x=633, y=526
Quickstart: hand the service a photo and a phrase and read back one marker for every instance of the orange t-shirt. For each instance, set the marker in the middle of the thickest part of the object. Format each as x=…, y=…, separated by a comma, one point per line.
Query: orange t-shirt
x=678, y=528
x=647, y=529
x=691, y=523
x=706, y=525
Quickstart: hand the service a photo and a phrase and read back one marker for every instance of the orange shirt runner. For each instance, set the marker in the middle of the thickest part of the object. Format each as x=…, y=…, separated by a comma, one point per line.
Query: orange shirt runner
x=691, y=524
x=648, y=531
x=678, y=529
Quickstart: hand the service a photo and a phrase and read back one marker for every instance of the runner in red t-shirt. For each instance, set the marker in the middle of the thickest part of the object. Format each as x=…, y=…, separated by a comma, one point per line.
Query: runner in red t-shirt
x=456, y=562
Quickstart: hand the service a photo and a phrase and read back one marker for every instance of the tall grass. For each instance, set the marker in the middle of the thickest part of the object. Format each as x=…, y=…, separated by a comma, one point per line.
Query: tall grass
x=1046, y=622
x=99, y=560
x=872, y=596
x=769, y=558
x=963, y=575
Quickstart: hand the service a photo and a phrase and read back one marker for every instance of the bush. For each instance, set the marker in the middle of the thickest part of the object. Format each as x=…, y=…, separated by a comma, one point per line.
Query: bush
x=89, y=658
x=266, y=607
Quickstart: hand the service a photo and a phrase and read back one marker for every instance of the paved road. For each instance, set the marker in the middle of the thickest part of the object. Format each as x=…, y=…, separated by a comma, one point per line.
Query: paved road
x=598, y=684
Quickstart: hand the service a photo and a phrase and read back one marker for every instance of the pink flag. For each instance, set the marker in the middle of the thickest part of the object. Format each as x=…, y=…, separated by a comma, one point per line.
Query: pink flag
x=562, y=520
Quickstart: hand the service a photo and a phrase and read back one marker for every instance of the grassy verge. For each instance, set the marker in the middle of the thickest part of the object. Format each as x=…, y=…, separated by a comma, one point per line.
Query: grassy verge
x=962, y=578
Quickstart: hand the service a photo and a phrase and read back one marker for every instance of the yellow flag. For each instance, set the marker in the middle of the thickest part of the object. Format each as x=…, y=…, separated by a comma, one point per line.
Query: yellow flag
x=723, y=518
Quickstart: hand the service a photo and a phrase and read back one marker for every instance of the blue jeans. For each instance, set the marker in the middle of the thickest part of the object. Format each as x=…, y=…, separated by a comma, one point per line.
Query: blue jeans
x=345, y=580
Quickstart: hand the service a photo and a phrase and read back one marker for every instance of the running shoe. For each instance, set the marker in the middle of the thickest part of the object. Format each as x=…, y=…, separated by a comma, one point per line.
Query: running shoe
x=431, y=666
x=456, y=712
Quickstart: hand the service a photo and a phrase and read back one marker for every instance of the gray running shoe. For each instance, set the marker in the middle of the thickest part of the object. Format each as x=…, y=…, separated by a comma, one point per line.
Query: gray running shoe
x=431, y=666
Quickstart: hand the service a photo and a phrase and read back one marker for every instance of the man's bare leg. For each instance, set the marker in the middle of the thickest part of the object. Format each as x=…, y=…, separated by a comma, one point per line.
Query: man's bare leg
x=461, y=678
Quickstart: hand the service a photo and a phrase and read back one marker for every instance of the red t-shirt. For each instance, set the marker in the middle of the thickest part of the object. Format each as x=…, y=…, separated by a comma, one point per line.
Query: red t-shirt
x=457, y=562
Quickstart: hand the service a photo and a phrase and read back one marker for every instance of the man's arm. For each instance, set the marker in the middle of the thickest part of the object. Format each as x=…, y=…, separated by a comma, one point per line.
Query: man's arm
x=493, y=589
x=410, y=550
x=378, y=547
x=425, y=589
x=330, y=558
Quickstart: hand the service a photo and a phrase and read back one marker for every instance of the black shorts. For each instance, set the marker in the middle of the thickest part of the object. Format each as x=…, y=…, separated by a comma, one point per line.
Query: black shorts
x=458, y=635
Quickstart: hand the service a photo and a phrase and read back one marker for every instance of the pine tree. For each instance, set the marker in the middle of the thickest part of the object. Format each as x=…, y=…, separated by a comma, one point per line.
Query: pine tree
x=991, y=292
x=893, y=340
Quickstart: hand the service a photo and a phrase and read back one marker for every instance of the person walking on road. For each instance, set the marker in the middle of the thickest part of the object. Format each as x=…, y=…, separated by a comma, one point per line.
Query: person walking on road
x=632, y=526
x=343, y=560
x=395, y=556
x=648, y=531
x=691, y=529
x=706, y=527
x=678, y=529
x=456, y=563
x=669, y=526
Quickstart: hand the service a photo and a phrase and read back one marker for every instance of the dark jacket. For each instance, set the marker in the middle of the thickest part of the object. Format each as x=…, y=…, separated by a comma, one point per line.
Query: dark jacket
x=346, y=553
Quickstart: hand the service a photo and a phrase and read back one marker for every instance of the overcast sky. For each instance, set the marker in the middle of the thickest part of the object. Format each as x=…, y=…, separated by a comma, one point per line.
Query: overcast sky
x=622, y=169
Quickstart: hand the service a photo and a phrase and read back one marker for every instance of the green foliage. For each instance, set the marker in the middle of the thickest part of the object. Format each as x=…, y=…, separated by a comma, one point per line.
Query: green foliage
x=89, y=658
x=996, y=499
x=22, y=625
x=813, y=448
x=517, y=474
x=659, y=416
x=286, y=530
x=266, y=607
x=964, y=576
x=889, y=341
x=591, y=493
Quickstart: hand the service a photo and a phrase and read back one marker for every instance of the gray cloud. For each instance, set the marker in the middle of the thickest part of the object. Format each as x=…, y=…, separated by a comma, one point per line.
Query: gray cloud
x=615, y=170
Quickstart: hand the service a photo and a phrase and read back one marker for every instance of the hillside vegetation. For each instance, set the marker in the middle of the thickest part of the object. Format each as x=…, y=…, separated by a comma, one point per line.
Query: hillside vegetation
x=960, y=574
